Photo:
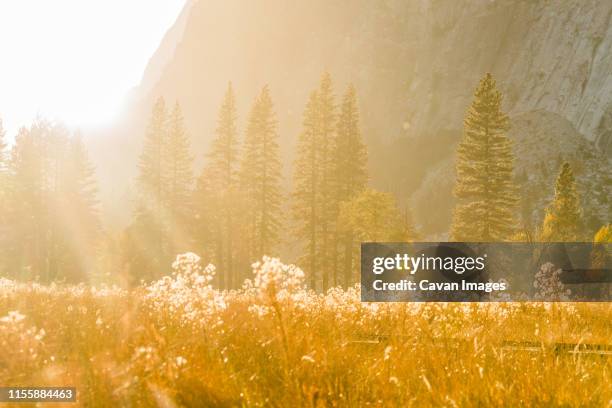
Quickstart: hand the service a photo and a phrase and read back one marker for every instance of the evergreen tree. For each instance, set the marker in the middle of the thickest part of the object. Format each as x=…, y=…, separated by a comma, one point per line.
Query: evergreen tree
x=350, y=173
x=218, y=192
x=150, y=227
x=563, y=221
x=56, y=142
x=307, y=188
x=53, y=220
x=261, y=178
x=162, y=218
x=316, y=198
x=4, y=201
x=484, y=189
x=81, y=184
x=375, y=217
x=79, y=199
x=151, y=178
x=206, y=226
x=29, y=209
x=224, y=161
x=3, y=146
x=3, y=165
x=350, y=151
x=328, y=199
x=179, y=178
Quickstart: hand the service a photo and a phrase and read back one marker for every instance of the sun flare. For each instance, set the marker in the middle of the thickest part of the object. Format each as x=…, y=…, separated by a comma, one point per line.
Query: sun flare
x=310, y=203
x=75, y=60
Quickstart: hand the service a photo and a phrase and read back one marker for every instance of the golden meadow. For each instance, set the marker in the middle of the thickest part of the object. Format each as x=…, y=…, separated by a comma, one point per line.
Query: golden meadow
x=179, y=342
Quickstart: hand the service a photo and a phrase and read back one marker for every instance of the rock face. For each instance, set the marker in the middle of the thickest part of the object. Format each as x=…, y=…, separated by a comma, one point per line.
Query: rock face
x=542, y=142
x=415, y=65
x=550, y=56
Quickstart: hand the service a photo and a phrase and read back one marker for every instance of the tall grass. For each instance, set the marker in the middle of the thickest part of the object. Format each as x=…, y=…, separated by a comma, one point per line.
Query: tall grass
x=178, y=342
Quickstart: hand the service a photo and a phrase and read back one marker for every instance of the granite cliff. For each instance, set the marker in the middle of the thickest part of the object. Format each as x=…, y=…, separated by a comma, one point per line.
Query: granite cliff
x=414, y=63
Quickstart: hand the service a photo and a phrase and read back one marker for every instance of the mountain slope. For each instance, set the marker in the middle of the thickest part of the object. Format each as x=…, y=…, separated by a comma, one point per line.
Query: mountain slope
x=415, y=65
x=417, y=61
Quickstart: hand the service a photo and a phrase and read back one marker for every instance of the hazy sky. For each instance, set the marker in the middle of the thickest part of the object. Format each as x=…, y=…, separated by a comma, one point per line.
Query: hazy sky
x=75, y=60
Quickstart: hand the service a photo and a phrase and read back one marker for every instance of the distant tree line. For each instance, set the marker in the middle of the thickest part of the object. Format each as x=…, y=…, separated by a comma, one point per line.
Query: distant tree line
x=236, y=210
x=486, y=190
x=48, y=205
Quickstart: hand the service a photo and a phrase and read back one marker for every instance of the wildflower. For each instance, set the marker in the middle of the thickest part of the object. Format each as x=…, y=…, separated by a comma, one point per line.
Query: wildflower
x=12, y=317
x=275, y=279
x=548, y=284
x=259, y=310
x=181, y=361
x=40, y=335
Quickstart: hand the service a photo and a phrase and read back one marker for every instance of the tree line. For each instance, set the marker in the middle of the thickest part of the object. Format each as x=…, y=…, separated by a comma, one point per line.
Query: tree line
x=236, y=210
x=48, y=205
x=486, y=191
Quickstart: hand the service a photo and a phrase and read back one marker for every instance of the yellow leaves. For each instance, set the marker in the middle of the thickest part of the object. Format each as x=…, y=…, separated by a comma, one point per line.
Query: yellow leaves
x=604, y=235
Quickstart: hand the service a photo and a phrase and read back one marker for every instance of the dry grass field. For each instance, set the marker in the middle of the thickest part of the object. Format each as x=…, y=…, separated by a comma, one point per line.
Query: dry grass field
x=180, y=343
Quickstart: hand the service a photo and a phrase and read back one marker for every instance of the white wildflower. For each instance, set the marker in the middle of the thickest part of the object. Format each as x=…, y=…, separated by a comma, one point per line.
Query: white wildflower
x=181, y=361
x=12, y=317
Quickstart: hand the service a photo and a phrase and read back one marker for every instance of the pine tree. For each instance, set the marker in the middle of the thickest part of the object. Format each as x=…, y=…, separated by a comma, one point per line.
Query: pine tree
x=3, y=152
x=3, y=171
x=218, y=191
x=315, y=196
x=79, y=198
x=224, y=160
x=53, y=216
x=55, y=139
x=328, y=202
x=81, y=185
x=306, y=188
x=179, y=178
x=350, y=151
x=4, y=201
x=373, y=216
x=485, y=190
x=351, y=172
x=151, y=178
x=563, y=217
x=150, y=226
x=261, y=178
x=206, y=226
x=32, y=203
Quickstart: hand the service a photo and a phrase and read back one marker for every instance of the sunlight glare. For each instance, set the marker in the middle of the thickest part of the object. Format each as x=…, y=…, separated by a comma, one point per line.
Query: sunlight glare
x=75, y=60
